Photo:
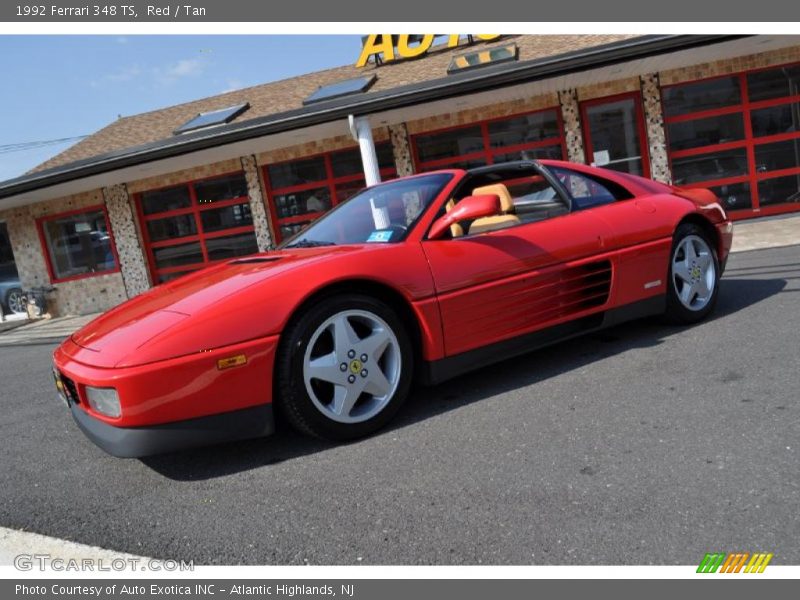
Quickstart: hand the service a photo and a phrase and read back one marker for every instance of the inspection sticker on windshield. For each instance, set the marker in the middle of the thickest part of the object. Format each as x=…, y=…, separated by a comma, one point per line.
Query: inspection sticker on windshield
x=380, y=236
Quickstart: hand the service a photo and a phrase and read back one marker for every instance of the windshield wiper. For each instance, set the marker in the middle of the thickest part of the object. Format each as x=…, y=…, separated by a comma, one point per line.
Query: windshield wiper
x=310, y=244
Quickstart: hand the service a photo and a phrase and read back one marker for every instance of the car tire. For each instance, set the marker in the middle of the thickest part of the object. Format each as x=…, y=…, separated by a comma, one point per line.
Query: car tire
x=694, y=273
x=344, y=367
x=14, y=301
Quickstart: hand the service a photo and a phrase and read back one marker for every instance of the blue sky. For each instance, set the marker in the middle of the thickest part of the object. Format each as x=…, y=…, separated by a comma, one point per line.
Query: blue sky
x=65, y=86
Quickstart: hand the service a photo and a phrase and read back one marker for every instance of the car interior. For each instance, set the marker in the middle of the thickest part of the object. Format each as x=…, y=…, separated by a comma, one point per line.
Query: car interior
x=526, y=196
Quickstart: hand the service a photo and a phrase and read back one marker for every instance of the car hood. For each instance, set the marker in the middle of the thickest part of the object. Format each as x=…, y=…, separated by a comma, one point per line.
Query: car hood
x=222, y=305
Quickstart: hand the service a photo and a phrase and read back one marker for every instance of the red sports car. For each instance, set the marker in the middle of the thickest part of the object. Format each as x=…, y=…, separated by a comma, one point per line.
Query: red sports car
x=417, y=279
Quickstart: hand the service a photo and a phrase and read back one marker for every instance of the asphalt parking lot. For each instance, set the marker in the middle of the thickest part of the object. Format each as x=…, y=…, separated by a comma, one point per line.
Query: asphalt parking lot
x=644, y=444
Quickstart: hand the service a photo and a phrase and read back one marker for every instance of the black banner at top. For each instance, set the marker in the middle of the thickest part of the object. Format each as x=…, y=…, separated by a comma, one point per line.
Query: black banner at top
x=153, y=11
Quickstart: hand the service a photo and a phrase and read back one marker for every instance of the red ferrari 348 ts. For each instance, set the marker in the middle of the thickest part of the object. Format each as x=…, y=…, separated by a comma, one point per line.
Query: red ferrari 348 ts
x=417, y=279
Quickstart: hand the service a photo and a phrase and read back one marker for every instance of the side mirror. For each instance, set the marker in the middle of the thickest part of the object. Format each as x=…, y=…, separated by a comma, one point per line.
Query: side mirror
x=470, y=208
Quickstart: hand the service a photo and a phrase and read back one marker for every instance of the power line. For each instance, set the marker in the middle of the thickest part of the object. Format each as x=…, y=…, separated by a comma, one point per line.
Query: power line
x=22, y=146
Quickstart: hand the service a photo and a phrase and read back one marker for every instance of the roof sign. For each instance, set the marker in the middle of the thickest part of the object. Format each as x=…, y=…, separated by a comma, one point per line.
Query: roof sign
x=385, y=48
x=482, y=58
x=347, y=87
x=214, y=117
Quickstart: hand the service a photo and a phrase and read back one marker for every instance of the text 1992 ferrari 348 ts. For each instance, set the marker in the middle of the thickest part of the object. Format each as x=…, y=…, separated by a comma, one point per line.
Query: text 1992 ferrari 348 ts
x=420, y=278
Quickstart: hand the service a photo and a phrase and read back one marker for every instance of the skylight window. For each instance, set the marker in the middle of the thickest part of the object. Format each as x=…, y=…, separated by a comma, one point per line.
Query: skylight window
x=347, y=87
x=483, y=58
x=211, y=118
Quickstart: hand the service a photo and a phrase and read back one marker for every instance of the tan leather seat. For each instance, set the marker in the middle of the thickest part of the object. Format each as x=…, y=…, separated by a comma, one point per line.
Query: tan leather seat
x=456, y=230
x=500, y=221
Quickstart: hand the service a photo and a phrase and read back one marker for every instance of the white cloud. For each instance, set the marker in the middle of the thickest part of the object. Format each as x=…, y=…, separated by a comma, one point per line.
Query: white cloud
x=125, y=74
x=162, y=75
x=121, y=75
x=187, y=67
x=232, y=85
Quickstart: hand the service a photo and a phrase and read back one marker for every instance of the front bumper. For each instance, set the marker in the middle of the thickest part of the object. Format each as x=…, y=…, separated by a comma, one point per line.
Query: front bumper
x=133, y=442
x=173, y=404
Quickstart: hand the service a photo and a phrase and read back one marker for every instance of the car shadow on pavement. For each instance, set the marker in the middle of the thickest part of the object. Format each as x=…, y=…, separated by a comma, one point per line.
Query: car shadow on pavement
x=426, y=402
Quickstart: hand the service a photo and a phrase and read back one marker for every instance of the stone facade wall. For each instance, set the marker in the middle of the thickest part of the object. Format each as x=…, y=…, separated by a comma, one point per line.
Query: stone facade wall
x=732, y=65
x=401, y=148
x=608, y=88
x=133, y=265
x=258, y=207
x=160, y=181
x=571, y=118
x=654, y=126
x=340, y=142
x=482, y=113
x=79, y=296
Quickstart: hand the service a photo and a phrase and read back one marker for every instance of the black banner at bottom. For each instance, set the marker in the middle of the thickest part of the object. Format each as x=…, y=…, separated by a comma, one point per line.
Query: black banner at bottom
x=391, y=589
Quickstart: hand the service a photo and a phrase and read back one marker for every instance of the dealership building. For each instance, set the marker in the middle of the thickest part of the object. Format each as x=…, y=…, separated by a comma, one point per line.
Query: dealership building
x=154, y=196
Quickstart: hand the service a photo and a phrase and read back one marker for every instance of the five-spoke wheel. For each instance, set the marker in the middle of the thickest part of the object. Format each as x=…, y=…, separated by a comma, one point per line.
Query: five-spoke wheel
x=694, y=272
x=693, y=275
x=344, y=367
x=352, y=366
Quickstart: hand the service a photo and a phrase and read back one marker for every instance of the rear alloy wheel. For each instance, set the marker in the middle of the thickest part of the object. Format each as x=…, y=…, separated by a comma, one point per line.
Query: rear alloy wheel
x=693, y=276
x=15, y=301
x=344, y=368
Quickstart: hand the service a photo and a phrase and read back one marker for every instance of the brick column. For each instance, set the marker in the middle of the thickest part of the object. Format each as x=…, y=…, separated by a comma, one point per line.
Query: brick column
x=401, y=148
x=571, y=116
x=656, y=132
x=131, y=257
x=258, y=207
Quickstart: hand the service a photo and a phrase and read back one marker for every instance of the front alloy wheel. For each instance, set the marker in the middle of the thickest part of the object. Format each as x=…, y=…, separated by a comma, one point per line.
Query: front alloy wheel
x=352, y=366
x=344, y=367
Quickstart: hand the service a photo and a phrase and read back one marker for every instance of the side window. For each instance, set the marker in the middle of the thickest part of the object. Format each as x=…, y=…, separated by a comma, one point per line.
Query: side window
x=523, y=200
x=587, y=191
x=535, y=199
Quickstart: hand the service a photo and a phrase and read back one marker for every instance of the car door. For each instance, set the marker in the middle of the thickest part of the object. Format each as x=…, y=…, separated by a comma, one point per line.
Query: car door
x=500, y=284
x=640, y=232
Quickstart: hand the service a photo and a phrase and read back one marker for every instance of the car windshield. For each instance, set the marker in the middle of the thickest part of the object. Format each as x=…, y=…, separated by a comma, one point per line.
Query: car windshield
x=379, y=214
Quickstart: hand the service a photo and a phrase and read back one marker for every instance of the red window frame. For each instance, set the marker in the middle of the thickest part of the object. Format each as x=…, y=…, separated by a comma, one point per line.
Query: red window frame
x=195, y=209
x=330, y=182
x=644, y=143
x=749, y=142
x=46, y=251
x=488, y=153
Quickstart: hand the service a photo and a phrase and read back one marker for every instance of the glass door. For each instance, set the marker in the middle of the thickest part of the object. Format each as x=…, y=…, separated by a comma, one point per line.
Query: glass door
x=614, y=133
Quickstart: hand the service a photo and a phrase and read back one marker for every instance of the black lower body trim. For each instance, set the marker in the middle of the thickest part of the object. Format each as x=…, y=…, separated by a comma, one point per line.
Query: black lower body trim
x=441, y=370
x=131, y=442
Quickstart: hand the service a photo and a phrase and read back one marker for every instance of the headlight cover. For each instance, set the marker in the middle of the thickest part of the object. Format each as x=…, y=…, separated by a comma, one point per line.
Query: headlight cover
x=104, y=400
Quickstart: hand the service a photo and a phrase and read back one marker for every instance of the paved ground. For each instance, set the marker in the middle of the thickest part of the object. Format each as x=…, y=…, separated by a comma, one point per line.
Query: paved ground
x=643, y=444
x=770, y=232
x=41, y=331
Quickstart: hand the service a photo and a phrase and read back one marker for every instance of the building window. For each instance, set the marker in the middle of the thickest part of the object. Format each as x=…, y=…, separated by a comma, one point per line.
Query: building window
x=78, y=244
x=530, y=136
x=189, y=226
x=302, y=190
x=738, y=135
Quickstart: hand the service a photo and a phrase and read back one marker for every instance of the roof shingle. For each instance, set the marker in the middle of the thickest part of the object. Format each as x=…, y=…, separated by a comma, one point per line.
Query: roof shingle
x=288, y=94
